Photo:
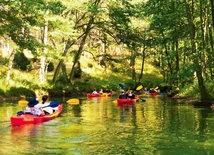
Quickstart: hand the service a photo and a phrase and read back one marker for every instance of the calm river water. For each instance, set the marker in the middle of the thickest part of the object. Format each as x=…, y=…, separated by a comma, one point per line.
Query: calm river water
x=159, y=126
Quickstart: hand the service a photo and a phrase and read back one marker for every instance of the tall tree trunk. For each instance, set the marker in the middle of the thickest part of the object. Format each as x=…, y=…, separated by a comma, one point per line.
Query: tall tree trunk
x=211, y=40
x=205, y=96
x=210, y=54
x=10, y=66
x=142, y=65
x=177, y=61
x=212, y=8
x=132, y=64
x=43, y=58
x=82, y=43
x=60, y=64
x=167, y=54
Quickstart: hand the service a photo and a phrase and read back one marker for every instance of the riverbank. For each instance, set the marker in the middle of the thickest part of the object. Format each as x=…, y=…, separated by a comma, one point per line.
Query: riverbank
x=193, y=101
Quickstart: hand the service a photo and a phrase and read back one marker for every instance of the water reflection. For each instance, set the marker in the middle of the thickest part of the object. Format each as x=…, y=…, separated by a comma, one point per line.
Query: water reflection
x=99, y=126
x=25, y=130
x=128, y=112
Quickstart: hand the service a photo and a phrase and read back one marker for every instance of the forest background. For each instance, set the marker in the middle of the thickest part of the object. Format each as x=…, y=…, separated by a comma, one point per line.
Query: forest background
x=66, y=47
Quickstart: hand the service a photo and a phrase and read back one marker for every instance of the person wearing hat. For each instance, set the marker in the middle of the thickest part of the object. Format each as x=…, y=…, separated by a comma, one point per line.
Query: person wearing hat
x=123, y=95
x=33, y=107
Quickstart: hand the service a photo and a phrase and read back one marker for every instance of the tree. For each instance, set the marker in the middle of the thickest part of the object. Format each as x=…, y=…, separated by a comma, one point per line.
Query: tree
x=17, y=19
x=192, y=32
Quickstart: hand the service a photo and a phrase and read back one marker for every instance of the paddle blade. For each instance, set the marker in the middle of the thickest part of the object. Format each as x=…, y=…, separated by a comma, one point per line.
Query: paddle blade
x=53, y=104
x=139, y=87
x=122, y=86
x=23, y=103
x=73, y=101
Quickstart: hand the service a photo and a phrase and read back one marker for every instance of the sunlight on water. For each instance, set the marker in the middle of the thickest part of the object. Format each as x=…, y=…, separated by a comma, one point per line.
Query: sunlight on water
x=159, y=126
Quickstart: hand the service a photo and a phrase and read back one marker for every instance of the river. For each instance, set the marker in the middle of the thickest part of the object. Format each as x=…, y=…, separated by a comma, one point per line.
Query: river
x=159, y=126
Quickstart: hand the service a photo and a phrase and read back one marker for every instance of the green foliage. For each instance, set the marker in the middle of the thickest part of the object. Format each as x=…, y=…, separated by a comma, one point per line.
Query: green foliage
x=115, y=69
x=62, y=80
x=14, y=91
x=90, y=65
x=149, y=83
x=21, y=61
x=56, y=7
x=19, y=18
x=191, y=90
x=50, y=66
x=78, y=71
x=155, y=27
x=3, y=61
x=2, y=92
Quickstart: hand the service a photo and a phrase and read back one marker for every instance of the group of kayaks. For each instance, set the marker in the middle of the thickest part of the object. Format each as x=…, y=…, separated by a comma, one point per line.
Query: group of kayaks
x=22, y=119
x=99, y=95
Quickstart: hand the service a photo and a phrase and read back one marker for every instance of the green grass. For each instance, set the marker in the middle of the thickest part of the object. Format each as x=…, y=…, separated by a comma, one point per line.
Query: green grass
x=93, y=76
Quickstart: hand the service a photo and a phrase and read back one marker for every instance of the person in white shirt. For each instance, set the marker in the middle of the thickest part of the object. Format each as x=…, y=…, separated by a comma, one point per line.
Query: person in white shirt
x=34, y=108
x=94, y=91
x=45, y=104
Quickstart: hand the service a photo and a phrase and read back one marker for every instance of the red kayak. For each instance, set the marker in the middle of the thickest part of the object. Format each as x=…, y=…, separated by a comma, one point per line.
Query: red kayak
x=153, y=93
x=122, y=102
x=32, y=119
x=93, y=95
x=99, y=95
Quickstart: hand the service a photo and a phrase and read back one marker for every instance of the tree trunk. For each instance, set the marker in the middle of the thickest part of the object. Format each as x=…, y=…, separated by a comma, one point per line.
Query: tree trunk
x=132, y=64
x=142, y=65
x=177, y=62
x=212, y=8
x=43, y=58
x=211, y=40
x=60, y=64
x=82, y=43
x=167, y=55
x=10, y=66
x=205, y=96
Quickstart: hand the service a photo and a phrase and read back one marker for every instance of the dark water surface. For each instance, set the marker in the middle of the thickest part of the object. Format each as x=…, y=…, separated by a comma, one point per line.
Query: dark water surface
x=159, y=126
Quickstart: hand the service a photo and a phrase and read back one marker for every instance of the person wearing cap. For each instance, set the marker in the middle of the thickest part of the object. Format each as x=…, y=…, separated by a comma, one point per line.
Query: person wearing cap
x=33, y=107
x=123, y=95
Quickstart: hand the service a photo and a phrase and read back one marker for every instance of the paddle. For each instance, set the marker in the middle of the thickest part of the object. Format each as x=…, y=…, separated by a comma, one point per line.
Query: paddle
x=23, y=102
x=122, y=86
x=53, y=104
x=115, y=101
x=139, y=87
x=73, y=101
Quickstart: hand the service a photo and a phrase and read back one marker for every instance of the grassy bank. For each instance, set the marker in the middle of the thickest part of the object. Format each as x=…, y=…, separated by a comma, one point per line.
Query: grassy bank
x=23, y=83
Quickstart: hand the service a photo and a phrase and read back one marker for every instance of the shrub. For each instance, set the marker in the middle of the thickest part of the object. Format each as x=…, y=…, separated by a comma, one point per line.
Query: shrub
x=78, y=71
x=13, y=91
x=2, y=93
x=21, y=61
x=50, y=66
x=90, y=65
